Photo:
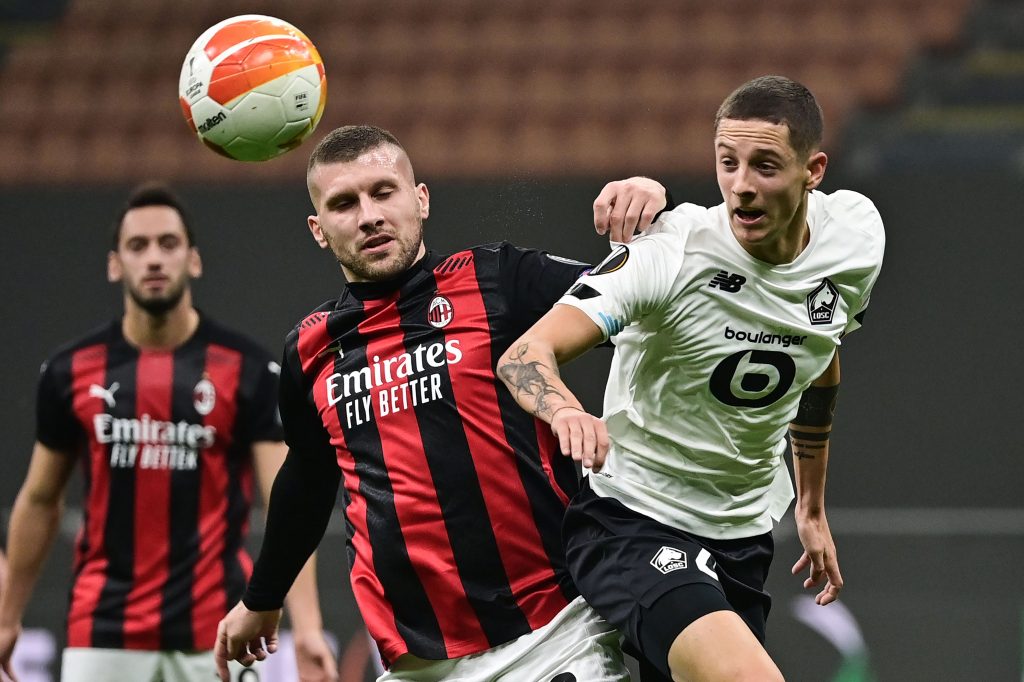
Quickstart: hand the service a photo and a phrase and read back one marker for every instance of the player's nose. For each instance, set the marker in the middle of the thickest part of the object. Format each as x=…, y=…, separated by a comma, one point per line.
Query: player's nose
x=742, y=181
x=370, y=214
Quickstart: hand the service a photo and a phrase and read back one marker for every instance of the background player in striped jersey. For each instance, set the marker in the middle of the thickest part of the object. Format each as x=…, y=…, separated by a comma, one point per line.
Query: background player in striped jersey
x=453, y=496
x=171, y=415
x=727, y=324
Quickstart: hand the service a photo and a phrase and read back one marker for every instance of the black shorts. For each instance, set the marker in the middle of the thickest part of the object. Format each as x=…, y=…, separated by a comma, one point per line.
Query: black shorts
x=651, y=580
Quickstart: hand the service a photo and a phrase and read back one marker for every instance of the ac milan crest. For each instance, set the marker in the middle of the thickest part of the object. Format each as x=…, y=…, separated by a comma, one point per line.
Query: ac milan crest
x=204, y=396
x=440, y=312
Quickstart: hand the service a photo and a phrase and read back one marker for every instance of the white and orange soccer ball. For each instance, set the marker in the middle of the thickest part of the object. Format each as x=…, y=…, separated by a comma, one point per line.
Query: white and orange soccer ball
x=252, y=87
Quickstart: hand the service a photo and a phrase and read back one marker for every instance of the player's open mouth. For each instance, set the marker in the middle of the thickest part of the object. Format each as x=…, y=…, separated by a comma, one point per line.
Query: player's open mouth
x=748, y=215
x=376, y=242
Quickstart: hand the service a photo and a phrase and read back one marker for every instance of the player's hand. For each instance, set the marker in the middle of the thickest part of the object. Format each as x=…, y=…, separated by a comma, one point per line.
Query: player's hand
x=626, y=206
x=581, y=436
x=245, y=636
x=819, y=555
x=315, y=659
x=8, y=638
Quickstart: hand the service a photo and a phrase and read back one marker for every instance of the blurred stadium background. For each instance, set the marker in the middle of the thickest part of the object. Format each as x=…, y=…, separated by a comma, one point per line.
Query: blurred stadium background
x=515, y=113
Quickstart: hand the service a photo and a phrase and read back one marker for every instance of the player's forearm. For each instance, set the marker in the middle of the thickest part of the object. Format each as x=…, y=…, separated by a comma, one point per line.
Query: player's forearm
x=33, y=528
x=809, y=439
x=529, y=370
x=810, y=465
x=303, y=601
x=299, y=511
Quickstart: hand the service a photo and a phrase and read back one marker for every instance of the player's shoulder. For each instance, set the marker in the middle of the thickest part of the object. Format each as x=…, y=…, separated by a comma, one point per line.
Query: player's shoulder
x=98, y=337
x=313, y=318
x=500, y=250
x=853, y=211
x=684, y=219
x=222, y=335
x=505, y=252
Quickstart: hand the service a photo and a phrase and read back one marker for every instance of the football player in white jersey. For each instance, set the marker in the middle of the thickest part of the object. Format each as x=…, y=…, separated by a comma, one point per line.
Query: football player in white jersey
x=726, y=323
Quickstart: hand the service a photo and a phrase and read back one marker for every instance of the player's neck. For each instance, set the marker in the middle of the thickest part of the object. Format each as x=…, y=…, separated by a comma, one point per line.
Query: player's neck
x=165, y=331
x=789, y=244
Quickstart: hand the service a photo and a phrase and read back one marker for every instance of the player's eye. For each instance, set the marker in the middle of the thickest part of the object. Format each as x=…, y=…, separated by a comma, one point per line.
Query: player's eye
x=136, y=244
x=169, y=243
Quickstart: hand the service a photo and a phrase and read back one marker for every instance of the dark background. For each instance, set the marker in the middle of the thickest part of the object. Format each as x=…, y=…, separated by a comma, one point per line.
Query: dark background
x=925, y=474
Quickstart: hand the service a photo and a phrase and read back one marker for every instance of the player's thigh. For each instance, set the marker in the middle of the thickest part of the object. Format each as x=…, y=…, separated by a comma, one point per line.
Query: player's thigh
x=82, y=664
x=623, y=562
x=577, y=645
x=721, y=647
x=199, y=666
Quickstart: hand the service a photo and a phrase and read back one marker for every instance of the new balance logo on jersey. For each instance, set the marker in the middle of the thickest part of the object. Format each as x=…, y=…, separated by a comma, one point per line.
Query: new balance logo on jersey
x=821, y=303
x=726, y=282
x=107, y=394
x=669, y=559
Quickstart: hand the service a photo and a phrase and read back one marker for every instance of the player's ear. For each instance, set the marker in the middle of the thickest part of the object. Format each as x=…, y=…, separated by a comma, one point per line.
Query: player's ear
x=815, y=169
x=114, y=270
x=423, y=196
x=318, y=234
x=195, y=263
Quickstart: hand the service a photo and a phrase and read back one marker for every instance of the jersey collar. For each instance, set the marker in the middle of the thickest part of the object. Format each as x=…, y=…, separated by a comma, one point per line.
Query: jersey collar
x=365, y=291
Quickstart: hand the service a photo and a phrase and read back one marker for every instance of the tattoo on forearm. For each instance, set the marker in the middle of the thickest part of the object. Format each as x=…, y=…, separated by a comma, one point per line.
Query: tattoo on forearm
x=800, y=454
x=527, y=379
x=808, y=442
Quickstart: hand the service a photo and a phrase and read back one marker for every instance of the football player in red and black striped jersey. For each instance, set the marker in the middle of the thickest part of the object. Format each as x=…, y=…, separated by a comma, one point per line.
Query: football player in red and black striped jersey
x=453, y=501
x=173, y=417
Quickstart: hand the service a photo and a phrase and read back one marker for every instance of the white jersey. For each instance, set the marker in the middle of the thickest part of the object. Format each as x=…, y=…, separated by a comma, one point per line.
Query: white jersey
x=713, y=350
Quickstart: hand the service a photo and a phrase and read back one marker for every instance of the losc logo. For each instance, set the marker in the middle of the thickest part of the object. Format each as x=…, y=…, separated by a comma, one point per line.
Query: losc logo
x=821, y=303
x=669, y=559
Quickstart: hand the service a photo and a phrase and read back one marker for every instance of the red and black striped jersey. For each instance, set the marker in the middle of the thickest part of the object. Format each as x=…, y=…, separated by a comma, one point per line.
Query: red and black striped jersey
x=165, y=438
x=453, y=495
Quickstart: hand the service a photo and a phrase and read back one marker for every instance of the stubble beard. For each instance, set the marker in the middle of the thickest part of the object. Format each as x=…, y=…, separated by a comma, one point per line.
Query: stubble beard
x=377, y=271
x=159, y=305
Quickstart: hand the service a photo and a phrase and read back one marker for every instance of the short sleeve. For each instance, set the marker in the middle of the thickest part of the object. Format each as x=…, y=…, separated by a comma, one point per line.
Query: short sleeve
x=862, y=215
x=303, y=430
x=634, y=281
x=56, y=425
x=535, y=280
x=261, y=420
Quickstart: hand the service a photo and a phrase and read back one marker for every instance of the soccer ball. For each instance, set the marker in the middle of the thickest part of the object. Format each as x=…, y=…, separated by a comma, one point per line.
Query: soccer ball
x=252, y=87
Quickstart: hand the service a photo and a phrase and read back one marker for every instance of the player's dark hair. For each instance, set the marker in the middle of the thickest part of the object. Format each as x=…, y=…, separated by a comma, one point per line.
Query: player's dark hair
x=777, y=99
x=153, y=194
x=348, y=143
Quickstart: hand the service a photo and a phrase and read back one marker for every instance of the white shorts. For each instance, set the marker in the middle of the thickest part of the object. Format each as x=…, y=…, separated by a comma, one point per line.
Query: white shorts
x=576, y=646
x=81, y=664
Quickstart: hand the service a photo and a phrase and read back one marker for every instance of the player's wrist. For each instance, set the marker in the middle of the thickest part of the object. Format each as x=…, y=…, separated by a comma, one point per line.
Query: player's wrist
x=257, y=604
x=565, y=407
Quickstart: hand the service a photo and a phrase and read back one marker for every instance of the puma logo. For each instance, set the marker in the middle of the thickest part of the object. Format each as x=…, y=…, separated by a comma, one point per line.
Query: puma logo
x=107, y=394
